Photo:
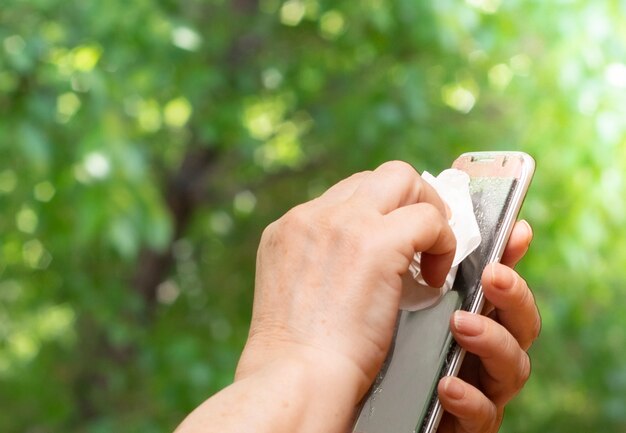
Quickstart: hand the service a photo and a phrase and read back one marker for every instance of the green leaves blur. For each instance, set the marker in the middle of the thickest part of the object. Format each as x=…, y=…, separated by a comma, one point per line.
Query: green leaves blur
x=101, y=103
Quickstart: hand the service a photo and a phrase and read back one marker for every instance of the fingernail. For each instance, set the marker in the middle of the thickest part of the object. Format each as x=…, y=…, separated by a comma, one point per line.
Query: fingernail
x=468, y=324
x=528, y=227
x=454, y=389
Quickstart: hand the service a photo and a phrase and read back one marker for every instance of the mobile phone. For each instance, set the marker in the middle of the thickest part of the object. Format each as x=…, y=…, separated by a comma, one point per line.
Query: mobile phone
x=403, y=398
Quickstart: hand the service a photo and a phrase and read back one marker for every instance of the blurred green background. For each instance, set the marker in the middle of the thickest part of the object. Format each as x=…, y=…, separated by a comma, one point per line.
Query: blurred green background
x=145, y=144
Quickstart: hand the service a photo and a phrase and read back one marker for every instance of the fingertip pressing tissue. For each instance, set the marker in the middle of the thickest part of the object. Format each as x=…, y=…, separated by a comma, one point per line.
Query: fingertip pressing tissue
x=452, y=185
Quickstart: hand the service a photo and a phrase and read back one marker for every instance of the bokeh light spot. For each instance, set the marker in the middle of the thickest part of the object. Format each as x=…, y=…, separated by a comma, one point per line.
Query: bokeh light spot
x=67, y=106
x=27, y=220
x=8, y=181
x=35, y=255
x=221, y=223
x=177, y=112
x=97, y=165
x=500, y=76
x=292, y=12
x=186, y=38
x=332, y=24
x=44, y=191
x=14, y=44
x=458, y=97
x=615, y=75
x=86, y=57
x=485, y=6
x=244, y=202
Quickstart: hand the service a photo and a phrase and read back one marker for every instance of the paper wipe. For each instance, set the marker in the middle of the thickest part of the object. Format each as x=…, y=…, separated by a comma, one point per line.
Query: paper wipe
x=452, y=185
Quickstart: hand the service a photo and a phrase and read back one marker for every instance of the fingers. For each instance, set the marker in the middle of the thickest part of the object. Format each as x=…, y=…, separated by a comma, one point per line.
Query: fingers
x=420, y=227
x=344, y=189
x=518, y=244
x=472, y=411
x=395, y=184
x=514, y=303
x=506, y=366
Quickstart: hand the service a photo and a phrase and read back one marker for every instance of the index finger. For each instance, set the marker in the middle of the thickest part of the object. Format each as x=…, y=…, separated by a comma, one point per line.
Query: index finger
x=420, y=227
x=396, y=184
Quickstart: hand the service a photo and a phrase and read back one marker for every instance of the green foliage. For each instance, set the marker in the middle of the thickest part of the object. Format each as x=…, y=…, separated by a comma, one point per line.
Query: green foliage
x=156, y=139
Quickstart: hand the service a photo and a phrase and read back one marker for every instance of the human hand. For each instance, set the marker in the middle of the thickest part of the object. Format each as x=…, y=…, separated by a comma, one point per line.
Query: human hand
x=496, y=366
x=329, y=271
x=328, y=285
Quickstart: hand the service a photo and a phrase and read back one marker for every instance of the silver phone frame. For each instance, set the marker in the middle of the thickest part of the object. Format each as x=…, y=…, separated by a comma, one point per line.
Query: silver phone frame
x=431, y=423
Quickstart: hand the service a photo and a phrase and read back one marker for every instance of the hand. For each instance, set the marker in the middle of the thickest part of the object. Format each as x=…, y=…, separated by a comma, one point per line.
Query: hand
x=328, y=285
x=327, y=290
x=329, y=271
x=497, y=365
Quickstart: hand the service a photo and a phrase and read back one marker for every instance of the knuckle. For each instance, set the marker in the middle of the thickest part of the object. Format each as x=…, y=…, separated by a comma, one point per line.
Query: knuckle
x=404, y=172
x=525, y=302
x=294, y=224
x=535, y=329
x=509, y=344
x=525, y=298
x=269, y=234
x=523, y=371
x=269, y=229
x=430, y=212
x=400, y=167
x=296, y=217
x=360, y=174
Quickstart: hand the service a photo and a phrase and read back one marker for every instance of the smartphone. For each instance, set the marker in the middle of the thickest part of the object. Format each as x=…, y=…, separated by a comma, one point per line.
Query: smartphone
x=403, y=398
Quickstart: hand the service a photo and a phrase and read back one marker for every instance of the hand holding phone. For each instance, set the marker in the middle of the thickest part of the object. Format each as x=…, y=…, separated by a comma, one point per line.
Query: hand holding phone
x=323, y=321
x=404, y=397
x=496, y=366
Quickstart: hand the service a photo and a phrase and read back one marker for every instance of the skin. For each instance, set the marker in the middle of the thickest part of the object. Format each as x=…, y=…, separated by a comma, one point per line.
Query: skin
x=327, y=291
x=497, y=365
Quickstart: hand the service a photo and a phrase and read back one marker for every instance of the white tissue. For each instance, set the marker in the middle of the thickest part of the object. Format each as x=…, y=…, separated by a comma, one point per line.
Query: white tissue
x=453, y=187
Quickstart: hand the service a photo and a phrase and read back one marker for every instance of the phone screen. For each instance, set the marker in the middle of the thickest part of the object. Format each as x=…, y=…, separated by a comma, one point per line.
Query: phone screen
x=404, y=392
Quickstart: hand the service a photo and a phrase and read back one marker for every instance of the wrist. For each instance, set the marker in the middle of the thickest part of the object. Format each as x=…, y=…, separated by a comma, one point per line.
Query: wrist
x=314, y=388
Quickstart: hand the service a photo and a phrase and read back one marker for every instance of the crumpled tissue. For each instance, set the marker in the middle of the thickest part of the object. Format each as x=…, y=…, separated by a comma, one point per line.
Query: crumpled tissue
x=452, y=185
